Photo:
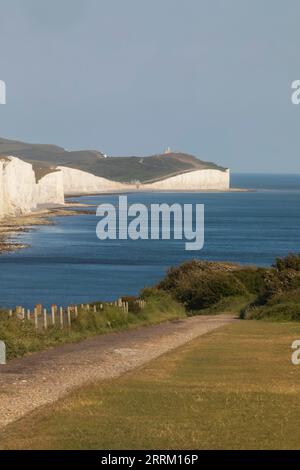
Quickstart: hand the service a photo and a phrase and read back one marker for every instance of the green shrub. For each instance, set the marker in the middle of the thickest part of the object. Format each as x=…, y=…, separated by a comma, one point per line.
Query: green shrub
x=285, y=297
x=279, y=312
x=252, y=278
x=277, y=282
x=279, y=297
x=280, y=306
x=199, y=285
x=291, y=261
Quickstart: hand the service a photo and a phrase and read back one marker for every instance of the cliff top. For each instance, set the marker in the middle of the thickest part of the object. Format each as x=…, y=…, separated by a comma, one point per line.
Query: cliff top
x=122, y=169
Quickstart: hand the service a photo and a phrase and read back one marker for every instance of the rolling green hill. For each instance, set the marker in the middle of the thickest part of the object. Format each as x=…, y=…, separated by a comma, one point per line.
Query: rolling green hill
x=123, y=169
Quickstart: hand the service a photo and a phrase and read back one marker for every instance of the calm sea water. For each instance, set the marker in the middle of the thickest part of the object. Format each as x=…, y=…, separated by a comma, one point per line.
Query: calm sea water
x=66, y=263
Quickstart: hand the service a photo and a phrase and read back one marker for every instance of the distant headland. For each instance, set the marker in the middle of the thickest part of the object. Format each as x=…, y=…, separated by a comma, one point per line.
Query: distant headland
x=32, y=175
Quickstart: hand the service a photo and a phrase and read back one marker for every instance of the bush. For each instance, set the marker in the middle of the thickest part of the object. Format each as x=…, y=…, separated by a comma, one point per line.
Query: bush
x=280, y=312
x=279, y=297
x=277, y=282
x=280, y=306
x=199, y=285
x=207, y=285
x=291, y=261
x=252, y=278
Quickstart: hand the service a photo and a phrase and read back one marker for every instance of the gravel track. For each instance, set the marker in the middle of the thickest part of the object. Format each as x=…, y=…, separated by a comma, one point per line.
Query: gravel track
x=44, y=377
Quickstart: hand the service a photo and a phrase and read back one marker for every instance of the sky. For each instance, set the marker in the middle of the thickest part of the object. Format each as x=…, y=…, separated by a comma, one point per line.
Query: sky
x=207, y=77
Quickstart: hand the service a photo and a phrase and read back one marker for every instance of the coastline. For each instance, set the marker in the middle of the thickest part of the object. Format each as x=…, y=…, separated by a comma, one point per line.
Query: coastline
x=14, y=225
x=163, y=191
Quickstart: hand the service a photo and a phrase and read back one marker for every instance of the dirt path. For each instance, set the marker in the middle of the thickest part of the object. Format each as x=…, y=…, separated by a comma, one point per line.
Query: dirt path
x=44, y=377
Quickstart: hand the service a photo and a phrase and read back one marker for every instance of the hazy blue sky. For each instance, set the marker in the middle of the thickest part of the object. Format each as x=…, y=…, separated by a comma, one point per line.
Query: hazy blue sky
x=209, y=77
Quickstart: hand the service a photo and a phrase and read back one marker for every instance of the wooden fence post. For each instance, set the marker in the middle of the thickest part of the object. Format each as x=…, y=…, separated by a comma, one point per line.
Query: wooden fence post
x=53, y=314
x=28, y=314
x=35, y=319
x=45, y=323
x=2, y=353
x=39, y=309
x=69, y=316
x=10, y=313
x=61, y=317
x=76, y=311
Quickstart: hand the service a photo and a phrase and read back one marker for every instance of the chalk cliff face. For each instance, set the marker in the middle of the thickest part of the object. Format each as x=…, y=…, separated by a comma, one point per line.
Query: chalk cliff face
x=50, y=189
x=18, y=187
x=81, y=182
x=193, y=181
x=19, y=191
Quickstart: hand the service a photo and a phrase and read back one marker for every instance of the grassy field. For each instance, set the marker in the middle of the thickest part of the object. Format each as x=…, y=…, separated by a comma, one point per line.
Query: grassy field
x=234, y=388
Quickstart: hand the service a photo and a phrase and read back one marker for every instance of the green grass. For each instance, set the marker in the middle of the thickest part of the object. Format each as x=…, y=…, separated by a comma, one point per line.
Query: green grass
x=21, y=337
x=234, y=388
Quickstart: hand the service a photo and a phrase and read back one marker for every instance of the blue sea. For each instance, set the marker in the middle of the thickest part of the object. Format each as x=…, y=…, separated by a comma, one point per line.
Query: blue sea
x=66, y=263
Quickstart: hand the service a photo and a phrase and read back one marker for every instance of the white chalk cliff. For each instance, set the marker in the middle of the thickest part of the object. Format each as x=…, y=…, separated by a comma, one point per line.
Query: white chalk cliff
x=81, y=182
x=20, y=193
x=196, y=180
x=50, y=189
x=17, y=187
